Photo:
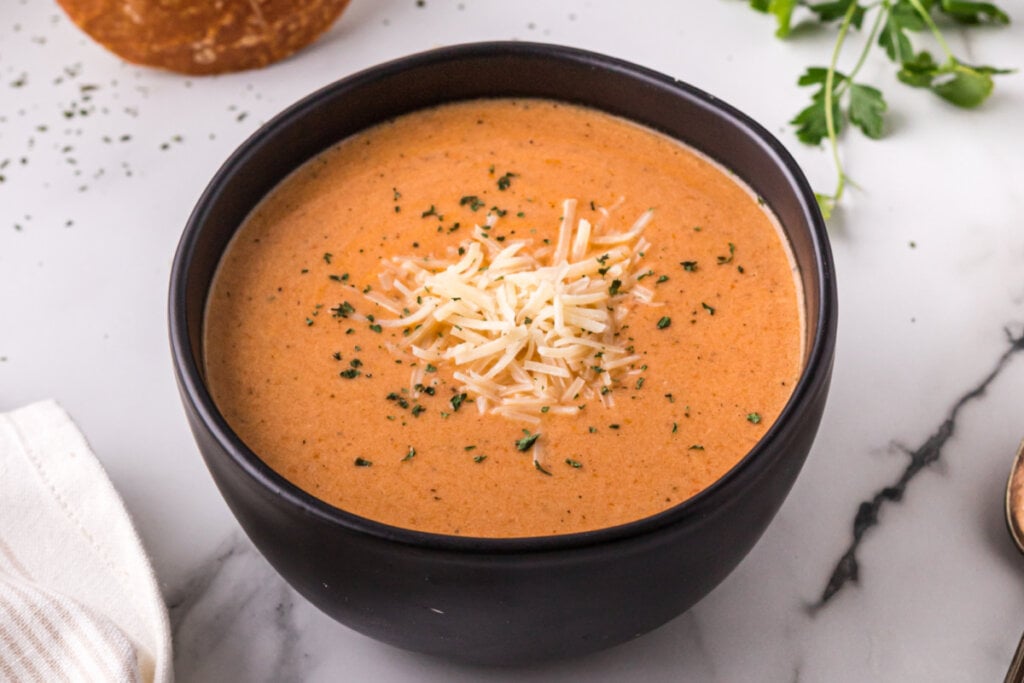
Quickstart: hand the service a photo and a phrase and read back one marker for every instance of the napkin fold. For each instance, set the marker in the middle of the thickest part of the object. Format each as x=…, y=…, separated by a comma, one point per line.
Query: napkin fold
x=78, y=597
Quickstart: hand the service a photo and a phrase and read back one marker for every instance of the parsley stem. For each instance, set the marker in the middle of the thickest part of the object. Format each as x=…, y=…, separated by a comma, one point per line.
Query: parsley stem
x=934, y=29
x=882, y=14
x=830, y=77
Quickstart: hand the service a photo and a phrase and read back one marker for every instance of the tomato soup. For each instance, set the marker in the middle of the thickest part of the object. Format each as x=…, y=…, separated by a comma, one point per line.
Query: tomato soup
x=505, y=318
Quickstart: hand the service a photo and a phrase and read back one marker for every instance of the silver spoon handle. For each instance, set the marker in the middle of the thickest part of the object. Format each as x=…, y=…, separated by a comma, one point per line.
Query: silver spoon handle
x=1016, y=672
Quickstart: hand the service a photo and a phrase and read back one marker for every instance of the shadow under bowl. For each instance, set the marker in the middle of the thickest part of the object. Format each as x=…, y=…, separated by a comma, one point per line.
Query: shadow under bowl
x=518, y=600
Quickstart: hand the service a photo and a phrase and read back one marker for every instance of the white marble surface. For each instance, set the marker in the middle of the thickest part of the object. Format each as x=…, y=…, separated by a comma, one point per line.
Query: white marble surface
x=930, y=257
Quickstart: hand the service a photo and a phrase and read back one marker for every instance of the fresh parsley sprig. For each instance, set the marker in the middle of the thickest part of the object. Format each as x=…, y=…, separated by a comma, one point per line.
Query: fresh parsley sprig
x=838, y=98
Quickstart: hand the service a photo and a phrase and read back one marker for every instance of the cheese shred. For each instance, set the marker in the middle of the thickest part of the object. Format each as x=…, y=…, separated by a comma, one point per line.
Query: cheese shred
x=523, y=328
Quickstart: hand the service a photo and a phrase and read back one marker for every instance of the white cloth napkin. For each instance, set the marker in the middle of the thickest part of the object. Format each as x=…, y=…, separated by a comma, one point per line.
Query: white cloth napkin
x=78, y=598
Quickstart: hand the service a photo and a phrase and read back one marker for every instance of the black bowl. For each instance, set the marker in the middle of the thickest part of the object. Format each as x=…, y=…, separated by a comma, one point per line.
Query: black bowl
x=523, y=599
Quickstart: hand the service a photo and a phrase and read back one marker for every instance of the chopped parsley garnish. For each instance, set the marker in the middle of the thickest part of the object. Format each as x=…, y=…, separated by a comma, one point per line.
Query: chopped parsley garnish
x=410, y=455
x=363, y=462
x=479, y=458
x=431, y=212
x=675, y=427
x=527, y=441
x=539, y=468
x=614, y=288
x=343, y=310
x=689, y=266
x=430, y=368
x=351, y=373
x=573, y=463
x=640, y=383
x=457, y=401
x=376, y=328
x=754, y=418
x=709, y=309
x=592, y=430
x=327, y=257
x=472, y=200
x=613, y=426
x=664, y=322
x=662, y=278
x=417, y=409
x=505, y=181
x=722, y=260
x=696, y=447
x=402, y=403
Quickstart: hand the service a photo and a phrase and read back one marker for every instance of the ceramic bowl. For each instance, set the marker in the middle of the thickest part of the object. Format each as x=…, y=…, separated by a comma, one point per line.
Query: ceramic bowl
x=504, y=601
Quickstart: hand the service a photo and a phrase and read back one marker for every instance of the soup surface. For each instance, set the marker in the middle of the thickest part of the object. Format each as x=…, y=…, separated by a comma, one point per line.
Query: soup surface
x=313, y=373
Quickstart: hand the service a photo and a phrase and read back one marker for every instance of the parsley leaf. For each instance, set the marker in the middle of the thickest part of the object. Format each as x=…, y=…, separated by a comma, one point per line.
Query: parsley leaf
x=811, y=123
x=973, y=12
x=781, y=9
x=961, y=84
x=893, y=37
x=867, y=107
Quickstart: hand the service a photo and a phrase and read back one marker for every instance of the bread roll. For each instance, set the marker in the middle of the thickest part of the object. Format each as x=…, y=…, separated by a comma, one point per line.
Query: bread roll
x=204, y=36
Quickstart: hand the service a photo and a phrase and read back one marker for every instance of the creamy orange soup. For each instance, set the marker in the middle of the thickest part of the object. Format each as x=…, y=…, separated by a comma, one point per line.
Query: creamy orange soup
x=317, y=378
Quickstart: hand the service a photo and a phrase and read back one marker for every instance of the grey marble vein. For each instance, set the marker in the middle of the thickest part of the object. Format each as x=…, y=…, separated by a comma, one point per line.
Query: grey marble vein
x=233, y=619
x=847, y=569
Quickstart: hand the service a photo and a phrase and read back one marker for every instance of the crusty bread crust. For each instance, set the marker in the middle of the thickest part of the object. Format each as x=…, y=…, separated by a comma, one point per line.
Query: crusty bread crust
x=204, y=36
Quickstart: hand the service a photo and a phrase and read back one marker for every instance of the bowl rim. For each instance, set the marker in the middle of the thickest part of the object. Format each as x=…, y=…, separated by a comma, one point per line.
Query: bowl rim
x=815, y=370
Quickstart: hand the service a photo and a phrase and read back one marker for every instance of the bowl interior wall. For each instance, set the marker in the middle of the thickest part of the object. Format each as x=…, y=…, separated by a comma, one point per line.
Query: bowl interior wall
x=345, y=108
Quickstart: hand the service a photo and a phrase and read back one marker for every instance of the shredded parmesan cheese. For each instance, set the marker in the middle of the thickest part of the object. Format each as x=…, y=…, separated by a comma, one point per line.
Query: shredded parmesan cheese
x=523, y=328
